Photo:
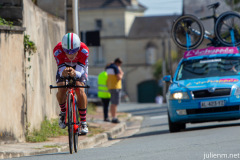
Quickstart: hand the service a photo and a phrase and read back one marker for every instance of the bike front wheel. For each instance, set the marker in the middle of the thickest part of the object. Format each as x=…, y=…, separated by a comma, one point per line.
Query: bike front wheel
x=70, y=125
x=227, y=28
x=187, y=32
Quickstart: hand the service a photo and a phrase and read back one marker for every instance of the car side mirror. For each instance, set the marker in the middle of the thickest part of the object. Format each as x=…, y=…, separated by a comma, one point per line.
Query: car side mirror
x=167, y=78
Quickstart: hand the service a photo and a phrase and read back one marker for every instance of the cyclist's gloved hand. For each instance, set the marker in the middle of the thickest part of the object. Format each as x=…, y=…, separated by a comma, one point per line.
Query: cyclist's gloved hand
x=72, y=72
x=65, y=72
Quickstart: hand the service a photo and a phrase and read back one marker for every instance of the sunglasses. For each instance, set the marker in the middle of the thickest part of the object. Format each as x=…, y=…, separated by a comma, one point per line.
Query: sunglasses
x=71, y=51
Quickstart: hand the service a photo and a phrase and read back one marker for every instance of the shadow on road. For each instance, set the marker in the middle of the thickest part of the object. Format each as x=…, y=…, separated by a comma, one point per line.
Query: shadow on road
x=161, y=132
x=143, y=134
x=152, y=133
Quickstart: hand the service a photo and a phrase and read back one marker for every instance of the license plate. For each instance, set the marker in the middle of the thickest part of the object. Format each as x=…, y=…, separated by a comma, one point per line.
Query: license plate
x=212, y=104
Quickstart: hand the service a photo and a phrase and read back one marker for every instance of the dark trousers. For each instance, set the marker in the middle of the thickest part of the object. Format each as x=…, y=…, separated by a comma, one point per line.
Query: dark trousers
x=105, y=102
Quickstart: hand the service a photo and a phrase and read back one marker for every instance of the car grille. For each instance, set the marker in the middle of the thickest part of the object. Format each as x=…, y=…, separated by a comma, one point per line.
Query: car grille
x=217, y=93
x=212, y=110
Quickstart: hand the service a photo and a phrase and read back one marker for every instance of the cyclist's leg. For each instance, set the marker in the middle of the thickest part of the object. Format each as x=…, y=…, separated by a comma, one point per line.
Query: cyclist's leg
x=82, y=106
x=61, y=97
x=81, y=96
x=61, y=94
x=82, y=100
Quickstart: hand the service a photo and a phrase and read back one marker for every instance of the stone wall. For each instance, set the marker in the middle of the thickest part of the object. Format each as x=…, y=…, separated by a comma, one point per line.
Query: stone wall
x=25, y=96
x=45, y=31
x=12, y=78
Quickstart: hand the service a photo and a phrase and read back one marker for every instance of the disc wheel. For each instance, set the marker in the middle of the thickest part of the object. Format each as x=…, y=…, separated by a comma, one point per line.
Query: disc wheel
x=70, y=125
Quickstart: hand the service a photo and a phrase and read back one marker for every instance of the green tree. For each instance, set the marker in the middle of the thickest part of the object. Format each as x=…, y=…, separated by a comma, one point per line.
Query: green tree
x=157, y=69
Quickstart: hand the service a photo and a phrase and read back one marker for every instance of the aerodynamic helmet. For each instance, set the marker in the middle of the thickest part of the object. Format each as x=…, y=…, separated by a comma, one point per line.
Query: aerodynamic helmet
x=71, y=43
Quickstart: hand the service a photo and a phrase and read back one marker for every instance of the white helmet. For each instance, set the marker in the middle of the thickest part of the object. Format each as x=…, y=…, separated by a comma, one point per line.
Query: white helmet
x=71, y=43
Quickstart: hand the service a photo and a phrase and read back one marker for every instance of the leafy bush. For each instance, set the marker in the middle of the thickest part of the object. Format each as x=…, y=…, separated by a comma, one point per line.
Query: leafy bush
x=4, y=22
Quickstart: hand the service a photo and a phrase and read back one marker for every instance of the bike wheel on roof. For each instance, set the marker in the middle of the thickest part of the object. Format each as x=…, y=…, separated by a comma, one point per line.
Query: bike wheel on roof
x=187, y=32
x=227, y=28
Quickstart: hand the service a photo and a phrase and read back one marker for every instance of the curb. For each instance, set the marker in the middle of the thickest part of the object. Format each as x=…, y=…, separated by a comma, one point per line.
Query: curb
x=83, y=144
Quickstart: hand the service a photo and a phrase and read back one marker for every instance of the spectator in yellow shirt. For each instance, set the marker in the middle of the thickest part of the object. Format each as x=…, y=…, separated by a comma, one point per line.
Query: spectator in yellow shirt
x=114, y=84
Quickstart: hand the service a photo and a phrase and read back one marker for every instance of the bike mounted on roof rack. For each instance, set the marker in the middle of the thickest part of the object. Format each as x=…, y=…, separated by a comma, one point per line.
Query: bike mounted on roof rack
x=188, y=32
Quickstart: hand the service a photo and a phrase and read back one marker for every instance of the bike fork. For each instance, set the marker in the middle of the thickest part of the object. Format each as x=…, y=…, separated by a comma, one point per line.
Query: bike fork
x=232, y=37
x=188, y=41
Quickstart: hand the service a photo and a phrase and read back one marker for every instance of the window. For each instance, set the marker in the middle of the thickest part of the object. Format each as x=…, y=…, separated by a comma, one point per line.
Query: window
x=151, y=55
x=98, y=57
x=98, y=24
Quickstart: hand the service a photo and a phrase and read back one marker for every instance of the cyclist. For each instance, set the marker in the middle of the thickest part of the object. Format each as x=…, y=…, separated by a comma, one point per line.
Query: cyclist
x=71, y=56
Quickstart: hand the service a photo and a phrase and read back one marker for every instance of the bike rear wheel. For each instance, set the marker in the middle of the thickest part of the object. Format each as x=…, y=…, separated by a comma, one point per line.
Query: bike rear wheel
x=227, y=28
x=187, y=32
x=70, y=125
x=76, y=132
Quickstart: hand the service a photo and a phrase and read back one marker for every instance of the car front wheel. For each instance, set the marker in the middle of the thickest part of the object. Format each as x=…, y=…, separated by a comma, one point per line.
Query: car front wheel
x=175, y=127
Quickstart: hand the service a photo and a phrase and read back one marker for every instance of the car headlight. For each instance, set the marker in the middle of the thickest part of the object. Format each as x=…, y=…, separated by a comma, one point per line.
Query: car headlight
x=237, y=91
x=179, y=95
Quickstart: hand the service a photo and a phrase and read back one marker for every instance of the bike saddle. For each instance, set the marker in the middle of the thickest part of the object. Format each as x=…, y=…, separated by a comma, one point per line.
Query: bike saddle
x=214, y=5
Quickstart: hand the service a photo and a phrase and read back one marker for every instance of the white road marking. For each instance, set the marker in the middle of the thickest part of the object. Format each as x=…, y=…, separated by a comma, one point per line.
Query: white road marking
x=158, y=117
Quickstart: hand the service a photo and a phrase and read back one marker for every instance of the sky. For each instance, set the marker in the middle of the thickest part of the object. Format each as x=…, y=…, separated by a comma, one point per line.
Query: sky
x=162, y=7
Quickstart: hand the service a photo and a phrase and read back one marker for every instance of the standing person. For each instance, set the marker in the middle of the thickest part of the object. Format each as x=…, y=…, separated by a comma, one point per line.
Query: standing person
x=114, y=83
x=103, y=93
x=159, y=99
x=72, y=60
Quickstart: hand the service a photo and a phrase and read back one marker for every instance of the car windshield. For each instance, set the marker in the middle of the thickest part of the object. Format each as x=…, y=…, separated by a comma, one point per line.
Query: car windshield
x=215, y=67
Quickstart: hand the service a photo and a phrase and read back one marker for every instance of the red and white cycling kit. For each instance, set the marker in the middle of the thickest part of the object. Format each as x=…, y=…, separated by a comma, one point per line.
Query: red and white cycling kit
x=80, y=63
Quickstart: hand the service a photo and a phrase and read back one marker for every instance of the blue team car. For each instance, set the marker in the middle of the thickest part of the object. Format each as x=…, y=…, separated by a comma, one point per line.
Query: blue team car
x=205, y=87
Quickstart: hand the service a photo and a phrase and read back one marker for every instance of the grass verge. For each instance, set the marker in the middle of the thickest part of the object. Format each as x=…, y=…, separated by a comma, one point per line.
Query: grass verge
x=94, y=130
x=49, y=128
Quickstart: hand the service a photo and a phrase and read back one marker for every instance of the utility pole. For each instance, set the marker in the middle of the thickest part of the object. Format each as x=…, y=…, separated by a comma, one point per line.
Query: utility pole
x=164, y=67
x=65, y=15
x=169, y=46
x=170, y=55
x=75, y=16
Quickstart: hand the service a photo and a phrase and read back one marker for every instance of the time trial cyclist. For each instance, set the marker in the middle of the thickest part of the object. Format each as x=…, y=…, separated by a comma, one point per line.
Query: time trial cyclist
x=71, y=56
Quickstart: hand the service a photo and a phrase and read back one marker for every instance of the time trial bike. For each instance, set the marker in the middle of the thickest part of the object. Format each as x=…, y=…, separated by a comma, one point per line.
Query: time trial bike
x=72, y=115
